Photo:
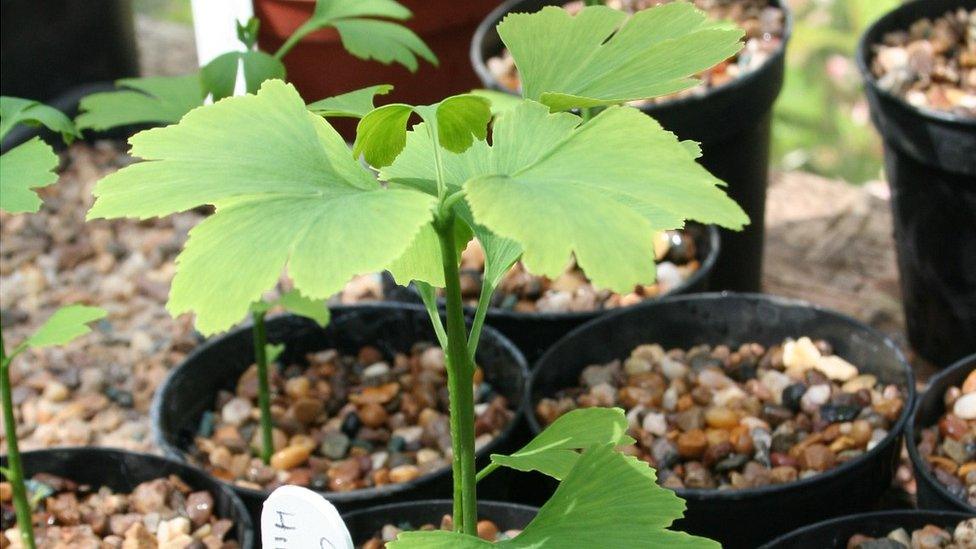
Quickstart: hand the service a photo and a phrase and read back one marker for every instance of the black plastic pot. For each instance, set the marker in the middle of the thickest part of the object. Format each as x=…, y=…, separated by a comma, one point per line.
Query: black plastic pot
x=190, y=388
x=931, y=493
x=366, y=523
x=52, y=46
x=930, y=164
x=833, y=534
x=533, y=333
x=748, y=517
x=732, y=123
x=122, y=471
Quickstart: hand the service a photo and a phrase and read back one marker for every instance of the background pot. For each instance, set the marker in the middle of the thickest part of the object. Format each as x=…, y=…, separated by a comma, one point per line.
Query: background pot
x=365, y=523
x=930, y=164
x=741, y=518
x=320, y=67
x=833, y=534
x=190, y=388
x=732, y=123
x=122, y=471
x=932, y=494
x=51, y=46
x=533, y=333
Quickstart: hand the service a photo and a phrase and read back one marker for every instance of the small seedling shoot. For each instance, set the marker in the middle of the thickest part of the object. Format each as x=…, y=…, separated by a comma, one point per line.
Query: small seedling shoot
x=26, y=167
x=527, y=177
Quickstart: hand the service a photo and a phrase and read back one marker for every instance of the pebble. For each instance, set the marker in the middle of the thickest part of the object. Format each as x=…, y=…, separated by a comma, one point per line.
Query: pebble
x=404, y=473
x=236, y=411
x=289, y=457
x=949, y=446
x=965, y=406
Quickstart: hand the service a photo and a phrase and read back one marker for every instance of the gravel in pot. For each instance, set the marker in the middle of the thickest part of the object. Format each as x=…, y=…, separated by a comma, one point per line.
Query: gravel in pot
x=919, y=74
x=371, y=528
x=94, y=497
x=379, y=443
x=739, y=452
x=941, y=440
x=885, y=530
x=739, y=94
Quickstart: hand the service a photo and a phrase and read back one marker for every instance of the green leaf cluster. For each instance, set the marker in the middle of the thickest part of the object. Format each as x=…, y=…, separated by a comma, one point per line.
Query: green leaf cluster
x=29, y=165
x=66, y=324
x=164, y=100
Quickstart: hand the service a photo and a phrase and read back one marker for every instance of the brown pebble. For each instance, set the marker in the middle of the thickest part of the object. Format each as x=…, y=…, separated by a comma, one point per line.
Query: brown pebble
x=306, y=410
x=404, y=473
x=373, y=415
x=291, y=456
x=199, y=507
x=376, y=395
x=692, y=444
x=487, y=530
x=721, y=418
x=817, y=457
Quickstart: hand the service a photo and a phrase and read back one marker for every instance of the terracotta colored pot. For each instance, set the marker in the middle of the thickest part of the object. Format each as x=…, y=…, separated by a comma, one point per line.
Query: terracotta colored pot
x=320, y=67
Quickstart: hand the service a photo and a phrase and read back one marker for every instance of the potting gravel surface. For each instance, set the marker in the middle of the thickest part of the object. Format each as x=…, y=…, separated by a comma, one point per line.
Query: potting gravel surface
x=932, y=64
x=763, y=24
x=164, y=513
x=721, y=418
x=676, y=260
x=97, y=390
x=963, y=536
x=344, y=422
x=949, y=447
x=487, y=530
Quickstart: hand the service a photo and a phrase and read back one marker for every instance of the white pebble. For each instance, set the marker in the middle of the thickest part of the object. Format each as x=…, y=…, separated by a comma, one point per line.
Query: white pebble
x=800, y=355
x=836, y=368
x=655, y=424
x=965, y=406
x=172, y=529
x=775, y=382
x=815, y=397
x=728, y=395
x=236, y=411
x=672, y=369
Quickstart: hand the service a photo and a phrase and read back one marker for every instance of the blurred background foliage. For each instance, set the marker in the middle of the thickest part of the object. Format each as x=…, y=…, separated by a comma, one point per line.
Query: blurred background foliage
x=821, y=118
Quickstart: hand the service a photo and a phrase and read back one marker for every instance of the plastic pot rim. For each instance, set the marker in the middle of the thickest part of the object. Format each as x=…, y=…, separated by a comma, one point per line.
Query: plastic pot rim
x=243, y=516
x=509, y=6
x=894, y=514
x=911, y=434
x=770, y=490
x=393, y=507
x=863, y=56
x=714, y=238
x=156, y=411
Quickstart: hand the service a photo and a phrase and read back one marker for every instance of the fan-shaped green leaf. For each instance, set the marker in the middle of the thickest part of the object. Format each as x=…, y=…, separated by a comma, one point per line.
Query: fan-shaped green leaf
x=598, y=191
x=602, y=57
x=316, y=309
x=163, y=99
x=383, y=41
x=555, y=450
x=286, y=191
x=354, y=104
x=66, y=324
x=27, y=166
x=219, y=76
x=16, y=110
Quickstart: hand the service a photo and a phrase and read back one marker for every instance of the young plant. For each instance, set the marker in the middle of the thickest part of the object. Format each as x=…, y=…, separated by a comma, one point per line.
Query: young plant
x=265, y=353
x=367, y=30
x=26, y=167
x=549, y=185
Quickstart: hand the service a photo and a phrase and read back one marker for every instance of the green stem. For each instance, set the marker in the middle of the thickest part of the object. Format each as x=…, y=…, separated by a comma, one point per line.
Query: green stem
x=264, y=391
x=295, y=38
x=484, y=300
x=489, y=469
x=460, y=374
x=15, y=472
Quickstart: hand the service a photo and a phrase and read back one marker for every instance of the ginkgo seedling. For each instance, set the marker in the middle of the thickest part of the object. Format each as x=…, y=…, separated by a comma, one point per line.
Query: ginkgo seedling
x=527, y=177
x=368, y=30
x=62, y=327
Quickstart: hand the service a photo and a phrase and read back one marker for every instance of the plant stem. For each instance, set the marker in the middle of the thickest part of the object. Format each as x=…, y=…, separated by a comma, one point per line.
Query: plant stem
x=460, y=372
x=15, y=472
x=264, y=391
x=484, y=300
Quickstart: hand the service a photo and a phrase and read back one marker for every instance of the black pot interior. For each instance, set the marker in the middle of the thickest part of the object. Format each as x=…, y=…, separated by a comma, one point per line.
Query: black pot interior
x=833, y=534
x=122, y=471
x=366, y=523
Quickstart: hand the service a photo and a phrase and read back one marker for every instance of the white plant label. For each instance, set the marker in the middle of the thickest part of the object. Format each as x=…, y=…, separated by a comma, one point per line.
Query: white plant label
x=297, y=518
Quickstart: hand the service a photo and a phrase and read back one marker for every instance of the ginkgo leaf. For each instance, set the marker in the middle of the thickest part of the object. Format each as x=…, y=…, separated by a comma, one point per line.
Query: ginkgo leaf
x=501, y=102
x=287, y=191
x=555, y=450
x=219, y=76
x=27, y=166
x=384, y=41
x=422, y=259
x=66, y=324
x=272, y=351
x=16, y=110
x=602, y=57
x=437, y=539
x=316, y=309
x=608, y=499
x=457, y=121
x=161, y=99
x=598, y=191
x=560, y=188
x=354, y=104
